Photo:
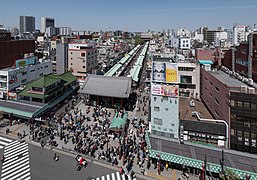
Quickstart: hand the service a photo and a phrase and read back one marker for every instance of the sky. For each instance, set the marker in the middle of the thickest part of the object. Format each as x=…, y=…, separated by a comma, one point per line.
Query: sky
x=132, y=15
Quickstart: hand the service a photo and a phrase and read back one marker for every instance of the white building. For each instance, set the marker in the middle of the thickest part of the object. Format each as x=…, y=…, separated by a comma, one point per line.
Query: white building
x=239, y=35
x=220, y=37
x=189, y=79
x=197, y=36
x=46, y=22
x=12, y=78
x=183, y=33
x=63, y=31
x=184, y=43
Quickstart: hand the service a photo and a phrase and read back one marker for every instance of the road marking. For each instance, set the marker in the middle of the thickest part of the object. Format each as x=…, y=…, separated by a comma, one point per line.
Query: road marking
x=4, y=143
x=12, y=174
x=118, y=175
x=5, y=139
x=113, y=176
x=108, y=177
x=1, y=147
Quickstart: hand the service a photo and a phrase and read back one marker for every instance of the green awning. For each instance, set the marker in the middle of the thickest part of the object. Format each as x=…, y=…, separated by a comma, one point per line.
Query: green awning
x=118, y=122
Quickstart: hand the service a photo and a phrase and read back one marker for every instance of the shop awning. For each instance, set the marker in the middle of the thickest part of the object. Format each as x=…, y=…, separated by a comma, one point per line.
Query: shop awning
x=118, y=122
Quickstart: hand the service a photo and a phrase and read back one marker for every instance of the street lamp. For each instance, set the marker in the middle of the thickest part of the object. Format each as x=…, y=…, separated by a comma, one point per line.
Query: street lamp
x=214, y=120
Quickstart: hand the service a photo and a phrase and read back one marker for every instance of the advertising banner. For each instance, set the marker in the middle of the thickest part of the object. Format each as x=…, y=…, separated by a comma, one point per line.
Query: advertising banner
x=25, y=62
x=165, y=72
x=165, y=90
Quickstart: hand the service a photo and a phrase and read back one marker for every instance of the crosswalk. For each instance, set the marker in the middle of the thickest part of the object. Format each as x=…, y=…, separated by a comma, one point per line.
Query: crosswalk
x=4, y=142
x=115, y=176
x=16, y=162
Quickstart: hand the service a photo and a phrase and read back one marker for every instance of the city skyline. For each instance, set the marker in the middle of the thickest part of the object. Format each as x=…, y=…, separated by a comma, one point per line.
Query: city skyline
x=133, y=15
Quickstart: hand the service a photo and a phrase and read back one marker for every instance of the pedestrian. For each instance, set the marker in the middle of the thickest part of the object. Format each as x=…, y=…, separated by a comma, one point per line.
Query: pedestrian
x=56, y=158
x=142, y=170
x=3, y=159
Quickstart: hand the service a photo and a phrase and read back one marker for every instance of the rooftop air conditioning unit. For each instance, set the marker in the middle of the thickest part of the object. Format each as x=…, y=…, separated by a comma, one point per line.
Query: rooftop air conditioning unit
x=240, y=77
x=243, y=89
x=250, y=82
x=251, y=90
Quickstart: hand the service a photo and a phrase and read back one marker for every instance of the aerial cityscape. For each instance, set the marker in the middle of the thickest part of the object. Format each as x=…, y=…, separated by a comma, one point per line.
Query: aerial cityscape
x=128, y=90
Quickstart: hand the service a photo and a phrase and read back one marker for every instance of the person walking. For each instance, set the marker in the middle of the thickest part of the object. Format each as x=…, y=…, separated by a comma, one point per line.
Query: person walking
x=56, y=158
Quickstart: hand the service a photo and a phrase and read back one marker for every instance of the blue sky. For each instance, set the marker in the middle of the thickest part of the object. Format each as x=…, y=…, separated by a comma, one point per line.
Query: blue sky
x=133, y=15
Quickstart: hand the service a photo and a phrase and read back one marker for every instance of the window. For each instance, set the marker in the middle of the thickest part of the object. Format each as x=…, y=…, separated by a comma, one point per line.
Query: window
x=165, y=98
x=71, y=64
x=166, y=109
x=158, y=121
x=84, y=61
x=33, y=70
x=23, y=81
x=186, y=79
x=172, y=124
x=155, y=98
x=156, y=108
x=70, y=52
x=232, y=103
x=246, y=105
x=253, y=105
x=239, y=104
x=211, y=83
x=46, y=66
x=84, y=67
x=24, y=73
x=210, y=94
x=71, y=58
x=217, y=89
x=83, y=54
x=232, y=132
x=217, y=101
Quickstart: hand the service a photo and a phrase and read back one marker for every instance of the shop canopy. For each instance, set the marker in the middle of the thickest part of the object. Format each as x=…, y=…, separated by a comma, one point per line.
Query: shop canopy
x=118, y=122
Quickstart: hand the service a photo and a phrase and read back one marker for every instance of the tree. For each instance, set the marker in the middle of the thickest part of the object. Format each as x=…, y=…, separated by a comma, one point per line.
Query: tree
x=138, y=40
x=229, y=174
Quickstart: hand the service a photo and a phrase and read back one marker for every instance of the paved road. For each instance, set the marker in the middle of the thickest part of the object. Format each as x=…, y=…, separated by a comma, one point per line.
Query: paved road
x=44, y=167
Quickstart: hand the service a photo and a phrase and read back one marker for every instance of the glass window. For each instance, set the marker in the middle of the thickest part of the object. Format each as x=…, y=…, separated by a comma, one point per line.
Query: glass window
x=239, y=104
x=253, y=105
x=83, y=54
x=232, y=132
x=239, y=133
x=246, y=134
x=155, y=98
x=158, y=121
x=165, y=98
x=246, y=105
x=156, y=108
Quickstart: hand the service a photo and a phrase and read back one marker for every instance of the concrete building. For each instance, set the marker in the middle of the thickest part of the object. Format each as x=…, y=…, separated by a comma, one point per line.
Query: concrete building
x=63, y=31
x=8, y=54
x=184, y=43
x=46, y=22
x=82, y=58
x=25, y=71
x=183, y=33
x=242, y=59
x=232, y=100
x=174, y=42
x=61, y=58
x=209, y=35
x=220, y=37
x=164, y=100
x=27, y=24
x=239, y=34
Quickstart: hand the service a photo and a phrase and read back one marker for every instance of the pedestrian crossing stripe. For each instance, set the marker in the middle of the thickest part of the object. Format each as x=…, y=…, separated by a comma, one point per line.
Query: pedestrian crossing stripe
x=16, y=164
x=4, y=142
x=115, y=176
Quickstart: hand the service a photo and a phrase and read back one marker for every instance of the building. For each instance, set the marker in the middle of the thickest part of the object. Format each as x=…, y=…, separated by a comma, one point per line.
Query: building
x=49, y=87
x=46, y=22
x=242, y=59
x=239, y=35
x=108, y=91
x=63, y=31
x=27, y=24
x=184, y=43
x=183, y=33
x=209, y=35
x=13, y=49
x=164, y=113
x=25, y=71
x=82, y=58
x=220, y=37
x=230, y=99
x=61, y=58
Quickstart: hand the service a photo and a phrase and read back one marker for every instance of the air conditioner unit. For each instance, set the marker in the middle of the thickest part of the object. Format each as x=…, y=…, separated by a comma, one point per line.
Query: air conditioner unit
x=251, y=90
x=250, y=81
x=243, y=89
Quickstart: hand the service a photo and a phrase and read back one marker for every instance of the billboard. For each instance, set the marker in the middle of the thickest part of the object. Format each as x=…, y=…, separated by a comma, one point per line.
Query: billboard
x=25, y=62
x=165, y=72
x=165, y=90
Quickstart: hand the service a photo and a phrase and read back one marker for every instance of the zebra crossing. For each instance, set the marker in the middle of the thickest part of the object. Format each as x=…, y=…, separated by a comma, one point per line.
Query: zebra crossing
x=16, y=161
x=115, y=176
x=4, y=142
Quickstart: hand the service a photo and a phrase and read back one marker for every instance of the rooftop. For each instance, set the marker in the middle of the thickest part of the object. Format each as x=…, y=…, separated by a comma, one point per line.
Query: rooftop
x=227, y=79
x=185, y=110
x=108, y=86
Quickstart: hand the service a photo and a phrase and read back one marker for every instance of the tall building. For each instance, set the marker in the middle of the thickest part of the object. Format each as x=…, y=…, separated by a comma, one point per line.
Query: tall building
x=27, y=24
x=61, y=58
x=164, y=100
x=82, y=58
x=229, y=98
x=46, y=22
x=239, y=34
x=243, y=58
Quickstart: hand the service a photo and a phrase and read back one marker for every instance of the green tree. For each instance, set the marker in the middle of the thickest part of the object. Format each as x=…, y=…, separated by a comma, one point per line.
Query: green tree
x=138, y=40
x=230, y=175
